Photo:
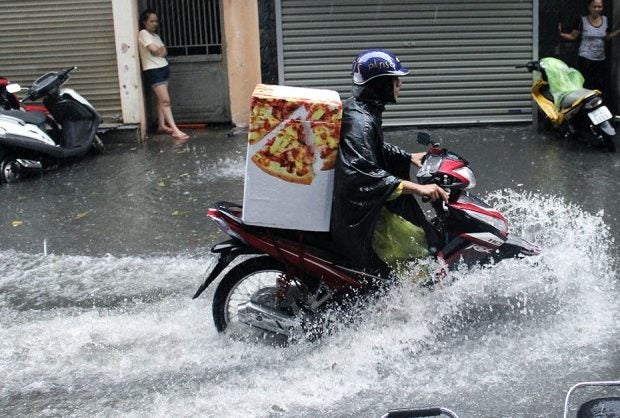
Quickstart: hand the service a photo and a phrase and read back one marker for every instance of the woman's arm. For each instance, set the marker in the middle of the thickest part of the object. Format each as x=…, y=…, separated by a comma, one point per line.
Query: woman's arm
x=613, y=34
x=569, y=36
x=158, y=51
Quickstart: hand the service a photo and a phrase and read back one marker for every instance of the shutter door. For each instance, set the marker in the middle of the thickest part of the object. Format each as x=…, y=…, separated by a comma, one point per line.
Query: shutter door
x=461, y=54
x=38, y=36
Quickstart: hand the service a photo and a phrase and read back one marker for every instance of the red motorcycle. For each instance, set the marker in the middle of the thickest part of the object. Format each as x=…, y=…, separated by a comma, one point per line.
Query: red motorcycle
x=288, y=278
x=9, y=101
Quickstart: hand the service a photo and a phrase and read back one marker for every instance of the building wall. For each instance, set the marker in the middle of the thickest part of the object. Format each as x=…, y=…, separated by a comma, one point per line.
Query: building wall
x=242, y=55
x=128, y=62
x=615, y=67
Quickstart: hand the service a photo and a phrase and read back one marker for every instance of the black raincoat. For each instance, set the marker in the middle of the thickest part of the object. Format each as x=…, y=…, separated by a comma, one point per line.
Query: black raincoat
x=368, y=171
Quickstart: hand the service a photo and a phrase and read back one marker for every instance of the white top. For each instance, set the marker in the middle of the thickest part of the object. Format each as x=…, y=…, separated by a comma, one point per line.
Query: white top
x=592, y=44
x=148, y=60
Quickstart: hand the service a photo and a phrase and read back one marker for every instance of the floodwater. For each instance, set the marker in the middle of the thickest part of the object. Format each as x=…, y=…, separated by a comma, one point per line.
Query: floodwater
x=99, y=260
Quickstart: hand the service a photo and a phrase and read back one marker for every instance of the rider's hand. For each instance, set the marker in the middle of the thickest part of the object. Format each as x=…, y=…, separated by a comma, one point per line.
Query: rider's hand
x=416, y=158
x=432, y=191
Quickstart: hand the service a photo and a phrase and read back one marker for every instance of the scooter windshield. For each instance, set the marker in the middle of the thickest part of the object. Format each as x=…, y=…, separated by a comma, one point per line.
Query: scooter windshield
x=562, y=78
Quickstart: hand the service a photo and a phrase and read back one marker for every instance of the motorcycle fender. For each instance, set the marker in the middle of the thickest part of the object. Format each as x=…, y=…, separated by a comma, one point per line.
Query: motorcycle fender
x=607, y=128
x=518, y=246
x=225, y=253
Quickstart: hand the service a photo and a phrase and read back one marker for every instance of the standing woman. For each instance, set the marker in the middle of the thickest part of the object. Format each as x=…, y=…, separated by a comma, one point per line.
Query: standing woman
x=593, y=29
x=157, y=72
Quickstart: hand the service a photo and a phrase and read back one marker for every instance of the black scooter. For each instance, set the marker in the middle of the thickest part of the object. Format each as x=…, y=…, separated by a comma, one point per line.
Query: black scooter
x=31, y=142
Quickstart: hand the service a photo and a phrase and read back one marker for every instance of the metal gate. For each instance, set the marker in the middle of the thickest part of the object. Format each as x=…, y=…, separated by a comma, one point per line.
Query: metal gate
x=38, y=36
x=192, y=32
x=462, y=54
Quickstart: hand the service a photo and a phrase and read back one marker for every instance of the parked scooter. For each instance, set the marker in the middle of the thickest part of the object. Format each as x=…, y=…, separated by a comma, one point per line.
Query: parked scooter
x=34, y=141
x=293, y=276
x=572, y=111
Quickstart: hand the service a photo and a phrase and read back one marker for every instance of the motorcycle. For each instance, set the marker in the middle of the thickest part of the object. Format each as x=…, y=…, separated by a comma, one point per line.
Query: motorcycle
x=604, y=406
x=289, y=278
x=8, y=99
x=571, y=110
x=32, y=141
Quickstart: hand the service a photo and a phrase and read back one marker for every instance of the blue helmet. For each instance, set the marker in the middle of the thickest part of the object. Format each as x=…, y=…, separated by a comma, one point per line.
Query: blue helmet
x=375, y=63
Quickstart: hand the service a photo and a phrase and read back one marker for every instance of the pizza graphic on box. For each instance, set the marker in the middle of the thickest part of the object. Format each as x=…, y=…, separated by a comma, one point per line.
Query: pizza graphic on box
x=292, y=136
x=287, y=155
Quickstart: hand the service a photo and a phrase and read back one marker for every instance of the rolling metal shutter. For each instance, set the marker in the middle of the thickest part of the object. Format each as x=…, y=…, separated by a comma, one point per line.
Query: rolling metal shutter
x=38, y=36
x=461, y=54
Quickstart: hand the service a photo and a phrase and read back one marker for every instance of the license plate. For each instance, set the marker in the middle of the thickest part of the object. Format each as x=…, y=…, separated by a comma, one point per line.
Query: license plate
x=600, y=115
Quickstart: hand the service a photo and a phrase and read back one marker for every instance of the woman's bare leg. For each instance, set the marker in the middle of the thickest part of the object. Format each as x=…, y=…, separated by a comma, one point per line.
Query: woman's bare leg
x=164, y=111
x=161, y=122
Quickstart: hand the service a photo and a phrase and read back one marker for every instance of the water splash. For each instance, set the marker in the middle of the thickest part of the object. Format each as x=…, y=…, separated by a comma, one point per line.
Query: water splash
x=121, y=336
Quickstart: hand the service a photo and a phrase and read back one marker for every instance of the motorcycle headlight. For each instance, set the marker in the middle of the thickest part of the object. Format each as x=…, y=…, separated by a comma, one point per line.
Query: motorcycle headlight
x=466, y=173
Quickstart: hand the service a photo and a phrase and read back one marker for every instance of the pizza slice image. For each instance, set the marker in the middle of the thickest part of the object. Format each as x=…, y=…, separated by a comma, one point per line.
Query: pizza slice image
x=326, y=140
x=287, y=155
x=266, y=114
x=325, y=112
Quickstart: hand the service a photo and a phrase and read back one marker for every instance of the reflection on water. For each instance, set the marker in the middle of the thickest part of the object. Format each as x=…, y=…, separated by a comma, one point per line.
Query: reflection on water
x=132, y=200
x=105, y=324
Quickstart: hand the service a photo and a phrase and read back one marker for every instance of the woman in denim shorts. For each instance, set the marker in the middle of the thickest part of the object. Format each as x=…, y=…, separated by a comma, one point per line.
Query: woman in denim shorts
x=157, y=73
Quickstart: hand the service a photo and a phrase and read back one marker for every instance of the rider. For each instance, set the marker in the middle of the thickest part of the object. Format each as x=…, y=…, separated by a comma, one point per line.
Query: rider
x=373, y=196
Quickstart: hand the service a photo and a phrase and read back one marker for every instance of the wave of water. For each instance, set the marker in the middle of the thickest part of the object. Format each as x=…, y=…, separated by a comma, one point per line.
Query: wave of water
x=122, y=336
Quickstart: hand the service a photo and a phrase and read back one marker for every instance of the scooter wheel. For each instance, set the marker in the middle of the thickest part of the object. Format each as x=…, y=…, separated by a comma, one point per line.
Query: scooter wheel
x=608, y=140
x=9, y=170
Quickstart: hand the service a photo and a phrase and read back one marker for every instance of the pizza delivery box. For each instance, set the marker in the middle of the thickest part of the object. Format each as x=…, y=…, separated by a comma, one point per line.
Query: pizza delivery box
x=293, y=140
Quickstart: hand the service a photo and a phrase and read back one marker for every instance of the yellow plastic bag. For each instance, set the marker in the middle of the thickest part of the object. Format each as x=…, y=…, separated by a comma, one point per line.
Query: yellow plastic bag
x=396, y=240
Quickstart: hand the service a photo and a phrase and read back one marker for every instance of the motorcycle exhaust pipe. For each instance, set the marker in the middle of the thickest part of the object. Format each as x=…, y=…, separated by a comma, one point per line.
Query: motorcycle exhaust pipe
x=29, y=165
x=268, y=319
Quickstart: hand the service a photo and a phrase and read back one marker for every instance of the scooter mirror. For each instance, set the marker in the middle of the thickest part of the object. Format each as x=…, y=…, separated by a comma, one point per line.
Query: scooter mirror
x=424, y=138
x=13, y=87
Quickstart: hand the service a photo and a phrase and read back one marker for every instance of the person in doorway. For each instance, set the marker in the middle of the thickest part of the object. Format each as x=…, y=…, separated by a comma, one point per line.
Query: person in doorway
x=157, y=73
x=593, y=31
x=372, y=190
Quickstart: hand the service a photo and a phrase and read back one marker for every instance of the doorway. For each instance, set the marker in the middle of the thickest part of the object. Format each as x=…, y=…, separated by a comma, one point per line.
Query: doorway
x=192, y=32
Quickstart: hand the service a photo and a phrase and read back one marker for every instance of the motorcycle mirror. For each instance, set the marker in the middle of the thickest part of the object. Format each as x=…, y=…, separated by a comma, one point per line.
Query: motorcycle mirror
x=424, y=138
x=13, y=88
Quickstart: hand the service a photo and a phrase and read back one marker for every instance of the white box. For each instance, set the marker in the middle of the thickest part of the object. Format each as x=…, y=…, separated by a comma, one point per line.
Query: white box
x=292, y=145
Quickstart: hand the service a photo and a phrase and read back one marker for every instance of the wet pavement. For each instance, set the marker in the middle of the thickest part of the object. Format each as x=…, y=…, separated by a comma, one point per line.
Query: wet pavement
x=99, y=260
x=151, y=198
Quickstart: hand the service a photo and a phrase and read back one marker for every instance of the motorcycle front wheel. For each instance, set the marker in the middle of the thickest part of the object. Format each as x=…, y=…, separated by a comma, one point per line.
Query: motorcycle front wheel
x=608, y=141
x=9, y=170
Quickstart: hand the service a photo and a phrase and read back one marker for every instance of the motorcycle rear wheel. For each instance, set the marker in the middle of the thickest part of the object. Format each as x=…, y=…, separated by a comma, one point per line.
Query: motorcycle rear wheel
x=608, y=141
x=238, y=285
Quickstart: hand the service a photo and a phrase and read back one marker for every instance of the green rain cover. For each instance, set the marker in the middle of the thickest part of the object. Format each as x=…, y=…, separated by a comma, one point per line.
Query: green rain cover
x=562, y=78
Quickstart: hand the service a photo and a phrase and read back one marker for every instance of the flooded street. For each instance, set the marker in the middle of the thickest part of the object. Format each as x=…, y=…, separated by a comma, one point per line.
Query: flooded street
x=99, y=261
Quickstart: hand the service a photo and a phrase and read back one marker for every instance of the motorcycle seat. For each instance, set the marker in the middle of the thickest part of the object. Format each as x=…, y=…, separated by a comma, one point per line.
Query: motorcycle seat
x=35, y=117
x=573, y=96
